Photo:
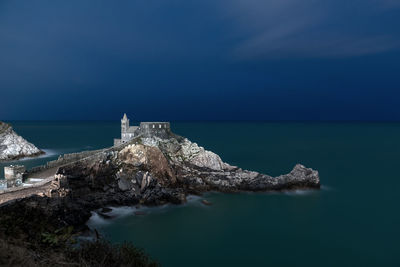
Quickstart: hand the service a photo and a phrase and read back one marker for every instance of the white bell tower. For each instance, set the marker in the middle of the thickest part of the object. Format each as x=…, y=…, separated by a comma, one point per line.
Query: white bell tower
x=124, y=126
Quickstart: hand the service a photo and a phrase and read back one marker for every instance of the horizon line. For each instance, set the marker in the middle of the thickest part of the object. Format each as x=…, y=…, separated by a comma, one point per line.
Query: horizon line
x=252, y=121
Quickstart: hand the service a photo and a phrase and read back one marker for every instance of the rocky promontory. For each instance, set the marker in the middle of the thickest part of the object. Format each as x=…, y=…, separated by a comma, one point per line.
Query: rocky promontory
x=13, y=146
x=41, y=222
x=154, y=171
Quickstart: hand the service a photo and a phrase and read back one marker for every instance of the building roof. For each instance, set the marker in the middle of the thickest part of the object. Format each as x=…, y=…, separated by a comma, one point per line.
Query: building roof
x=131, y=129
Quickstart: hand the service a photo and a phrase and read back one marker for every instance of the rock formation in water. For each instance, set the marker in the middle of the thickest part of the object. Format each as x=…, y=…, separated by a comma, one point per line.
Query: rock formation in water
x=154, y=171
x=13, y=146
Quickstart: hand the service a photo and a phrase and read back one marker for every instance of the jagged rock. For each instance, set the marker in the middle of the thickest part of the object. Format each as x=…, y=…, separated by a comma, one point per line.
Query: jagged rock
x=146, y=180
x=155, y=171
x=13, y=146
x=124, y=184
x=134, y=155
x=148, y=158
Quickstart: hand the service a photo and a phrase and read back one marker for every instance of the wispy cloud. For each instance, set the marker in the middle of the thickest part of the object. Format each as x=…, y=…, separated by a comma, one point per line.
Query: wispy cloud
x=309, y=28
x=266, y=46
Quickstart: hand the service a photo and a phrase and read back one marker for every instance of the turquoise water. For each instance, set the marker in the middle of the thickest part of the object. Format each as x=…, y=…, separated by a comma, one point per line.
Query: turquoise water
x=352, y=221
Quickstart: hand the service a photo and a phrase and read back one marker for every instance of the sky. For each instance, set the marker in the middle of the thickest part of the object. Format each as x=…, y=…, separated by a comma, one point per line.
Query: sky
x=200, y=60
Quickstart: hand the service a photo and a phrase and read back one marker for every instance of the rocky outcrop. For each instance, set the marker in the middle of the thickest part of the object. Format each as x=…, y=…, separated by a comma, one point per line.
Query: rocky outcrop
x=13, y=146
x=155, y=171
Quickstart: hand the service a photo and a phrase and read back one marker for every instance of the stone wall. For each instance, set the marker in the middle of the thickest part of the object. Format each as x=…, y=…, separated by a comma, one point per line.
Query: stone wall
x=64, y=159
x=69, y=158
x=158, y=129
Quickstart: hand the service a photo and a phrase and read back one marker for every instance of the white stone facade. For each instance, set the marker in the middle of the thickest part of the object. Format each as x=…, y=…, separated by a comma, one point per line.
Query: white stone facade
x=127, y=131
x=146, y=129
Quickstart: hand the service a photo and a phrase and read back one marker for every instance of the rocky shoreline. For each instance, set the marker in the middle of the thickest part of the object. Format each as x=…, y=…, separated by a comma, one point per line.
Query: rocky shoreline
x=151, y=171
x=155, y=171
x=13, y=146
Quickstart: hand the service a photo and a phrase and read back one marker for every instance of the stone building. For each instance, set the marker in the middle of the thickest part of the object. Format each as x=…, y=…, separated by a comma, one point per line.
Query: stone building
x=158, y=129
x=127, y=131
x=145, y=129
x=13, y=175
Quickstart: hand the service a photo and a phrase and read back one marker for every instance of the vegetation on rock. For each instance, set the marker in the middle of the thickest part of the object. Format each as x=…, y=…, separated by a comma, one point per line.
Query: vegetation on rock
x=32, y=236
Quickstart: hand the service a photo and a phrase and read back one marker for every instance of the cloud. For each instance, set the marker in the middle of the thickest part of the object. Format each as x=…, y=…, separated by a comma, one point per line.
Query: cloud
x=311, y=29
x=267, y=45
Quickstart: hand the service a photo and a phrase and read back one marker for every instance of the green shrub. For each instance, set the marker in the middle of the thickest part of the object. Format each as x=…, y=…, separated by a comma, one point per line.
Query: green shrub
x=103, y=253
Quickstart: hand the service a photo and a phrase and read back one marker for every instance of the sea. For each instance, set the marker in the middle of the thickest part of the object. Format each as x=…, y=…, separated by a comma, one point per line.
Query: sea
x=354, y=220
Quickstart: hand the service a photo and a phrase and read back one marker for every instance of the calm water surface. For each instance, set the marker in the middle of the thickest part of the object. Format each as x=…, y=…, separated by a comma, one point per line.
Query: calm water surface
x=353, y=221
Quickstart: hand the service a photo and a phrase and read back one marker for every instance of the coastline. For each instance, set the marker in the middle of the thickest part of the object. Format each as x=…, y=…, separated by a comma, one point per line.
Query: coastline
x=151, y=170
x=268, y=221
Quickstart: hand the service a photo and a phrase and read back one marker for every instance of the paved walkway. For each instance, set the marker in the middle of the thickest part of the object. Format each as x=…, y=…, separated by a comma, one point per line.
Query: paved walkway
x=41, y=188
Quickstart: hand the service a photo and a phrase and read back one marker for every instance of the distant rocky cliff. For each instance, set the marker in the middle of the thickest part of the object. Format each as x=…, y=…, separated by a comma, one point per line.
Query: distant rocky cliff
x=13, y=146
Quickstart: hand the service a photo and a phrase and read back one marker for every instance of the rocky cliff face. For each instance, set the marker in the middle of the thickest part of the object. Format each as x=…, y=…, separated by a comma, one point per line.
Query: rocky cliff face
x=155, y=171
x=13, y=146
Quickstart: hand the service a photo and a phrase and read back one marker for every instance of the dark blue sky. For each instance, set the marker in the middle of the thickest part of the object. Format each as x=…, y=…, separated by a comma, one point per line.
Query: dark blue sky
x=200, y=60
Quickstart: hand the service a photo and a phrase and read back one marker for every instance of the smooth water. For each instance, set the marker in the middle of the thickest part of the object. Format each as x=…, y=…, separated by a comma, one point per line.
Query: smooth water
x=352, y=221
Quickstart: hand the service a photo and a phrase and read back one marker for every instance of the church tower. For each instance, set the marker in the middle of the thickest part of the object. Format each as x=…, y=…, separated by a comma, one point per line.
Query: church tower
x=124, y=125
